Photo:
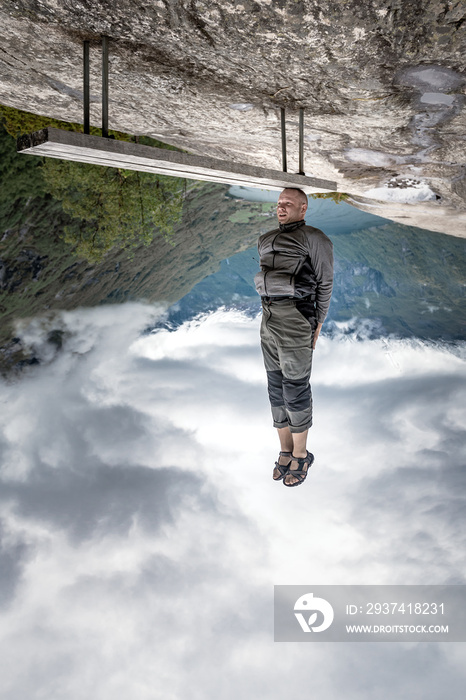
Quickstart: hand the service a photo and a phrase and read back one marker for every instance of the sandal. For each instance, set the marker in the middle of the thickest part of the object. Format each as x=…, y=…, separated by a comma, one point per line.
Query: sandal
x=282, y=468
x=300, y=473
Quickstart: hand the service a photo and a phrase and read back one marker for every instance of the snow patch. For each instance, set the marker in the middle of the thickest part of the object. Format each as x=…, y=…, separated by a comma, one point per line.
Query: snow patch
x=438, y=77
x=374, y=158
x=242, y=106
x=418, y=192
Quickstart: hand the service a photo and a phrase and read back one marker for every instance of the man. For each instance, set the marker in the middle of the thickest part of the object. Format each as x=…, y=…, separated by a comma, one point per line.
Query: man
x=295, y=283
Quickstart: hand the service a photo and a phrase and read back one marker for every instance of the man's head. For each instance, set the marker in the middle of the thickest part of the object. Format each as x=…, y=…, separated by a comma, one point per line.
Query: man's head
x=292, y=205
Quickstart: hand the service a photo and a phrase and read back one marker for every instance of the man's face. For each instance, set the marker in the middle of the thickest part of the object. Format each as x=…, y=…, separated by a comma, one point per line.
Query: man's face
x=290, y=207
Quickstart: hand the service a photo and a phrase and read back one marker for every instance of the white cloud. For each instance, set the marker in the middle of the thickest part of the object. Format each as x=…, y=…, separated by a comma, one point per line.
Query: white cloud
x=143, y=533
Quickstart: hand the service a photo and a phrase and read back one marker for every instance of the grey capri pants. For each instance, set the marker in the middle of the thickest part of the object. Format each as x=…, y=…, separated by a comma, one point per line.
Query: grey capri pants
x=286, y=341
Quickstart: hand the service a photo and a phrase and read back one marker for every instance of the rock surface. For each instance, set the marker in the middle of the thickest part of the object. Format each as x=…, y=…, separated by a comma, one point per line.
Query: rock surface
x=382, y=83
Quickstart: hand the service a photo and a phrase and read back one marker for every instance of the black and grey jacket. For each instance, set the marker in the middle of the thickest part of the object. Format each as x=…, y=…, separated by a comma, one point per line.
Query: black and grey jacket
x=296, y=263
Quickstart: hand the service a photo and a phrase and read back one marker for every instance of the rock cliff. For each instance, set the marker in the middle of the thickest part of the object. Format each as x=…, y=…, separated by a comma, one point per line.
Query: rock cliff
x=382, y=83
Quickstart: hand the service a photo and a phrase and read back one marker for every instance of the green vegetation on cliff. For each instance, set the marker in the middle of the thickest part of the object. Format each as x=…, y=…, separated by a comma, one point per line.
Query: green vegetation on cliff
x=107, y=207
x=115, y=207
x=17, y=122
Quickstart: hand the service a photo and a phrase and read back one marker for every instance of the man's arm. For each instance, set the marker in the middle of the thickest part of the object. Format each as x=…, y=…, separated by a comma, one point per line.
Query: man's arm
x=321, y=254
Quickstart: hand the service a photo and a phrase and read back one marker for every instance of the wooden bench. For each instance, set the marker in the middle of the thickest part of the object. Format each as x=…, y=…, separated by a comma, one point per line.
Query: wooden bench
x=84, y=148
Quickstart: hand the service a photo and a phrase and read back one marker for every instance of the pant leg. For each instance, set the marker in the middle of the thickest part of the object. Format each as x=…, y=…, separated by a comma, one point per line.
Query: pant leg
x=286, y=337
x=274, y=373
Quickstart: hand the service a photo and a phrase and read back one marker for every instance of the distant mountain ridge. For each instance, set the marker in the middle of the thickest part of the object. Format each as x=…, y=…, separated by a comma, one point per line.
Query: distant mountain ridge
x=406, y=281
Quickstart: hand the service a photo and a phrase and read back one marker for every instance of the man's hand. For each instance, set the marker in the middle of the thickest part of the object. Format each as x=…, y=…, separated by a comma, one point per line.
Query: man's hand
x=316, y=335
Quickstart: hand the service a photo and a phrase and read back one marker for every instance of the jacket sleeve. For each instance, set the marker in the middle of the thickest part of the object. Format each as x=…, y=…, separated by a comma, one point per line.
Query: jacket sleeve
x=321, y=255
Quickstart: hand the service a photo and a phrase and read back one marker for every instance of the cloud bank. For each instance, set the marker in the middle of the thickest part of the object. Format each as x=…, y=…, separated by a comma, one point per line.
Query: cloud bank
x=142, y=533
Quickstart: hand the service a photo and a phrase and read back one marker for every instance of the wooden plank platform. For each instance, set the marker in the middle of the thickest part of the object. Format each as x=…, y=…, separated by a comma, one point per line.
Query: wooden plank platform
x=71, y=145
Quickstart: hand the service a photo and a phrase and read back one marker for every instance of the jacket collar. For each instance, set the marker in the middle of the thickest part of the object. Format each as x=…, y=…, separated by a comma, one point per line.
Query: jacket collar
x=292, y=226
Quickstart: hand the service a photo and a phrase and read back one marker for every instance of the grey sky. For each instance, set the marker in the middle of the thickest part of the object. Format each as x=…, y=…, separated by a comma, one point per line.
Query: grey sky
x=142, y=533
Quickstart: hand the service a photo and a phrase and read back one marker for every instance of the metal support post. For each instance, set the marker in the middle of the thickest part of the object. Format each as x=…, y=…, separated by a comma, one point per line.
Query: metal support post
x=86, y=93
x=105, y=86
x=301, y=141
x=283, y=127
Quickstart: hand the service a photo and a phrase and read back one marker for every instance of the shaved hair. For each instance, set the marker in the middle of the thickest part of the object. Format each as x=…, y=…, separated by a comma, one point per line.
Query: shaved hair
x=302, y=195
